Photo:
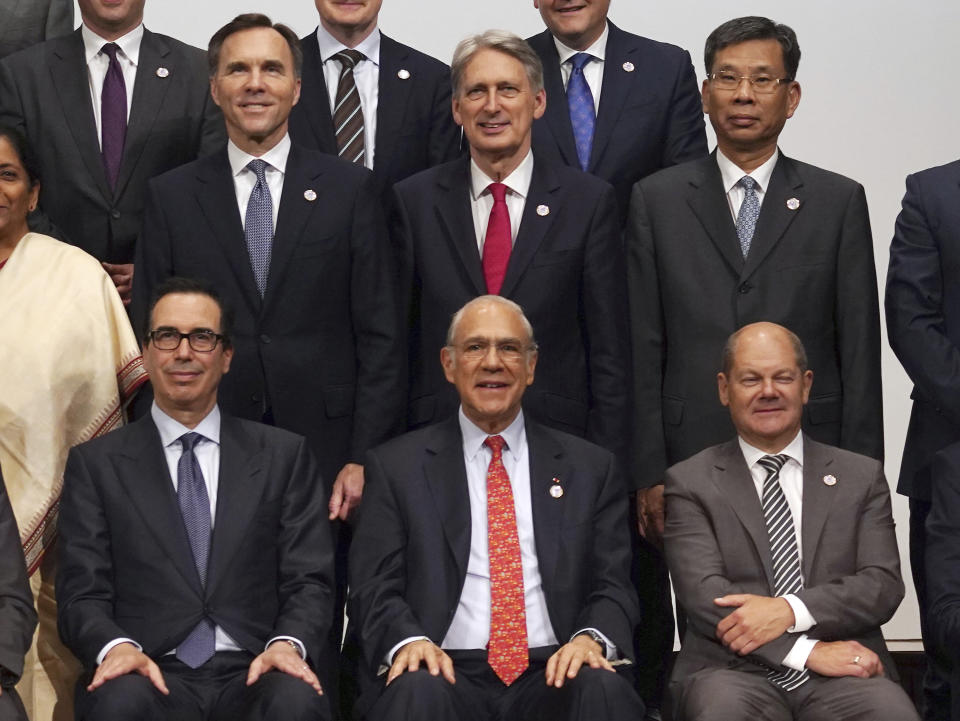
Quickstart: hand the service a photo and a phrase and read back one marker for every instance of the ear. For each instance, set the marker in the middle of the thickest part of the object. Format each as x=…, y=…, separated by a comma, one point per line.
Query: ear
x=807, y=385
x=213, y=90
x=723, y=388
x=455, y=107
x=34, y=197
x=705, y=96
x=449, y=362
x=227, y=357
x=296, y=93
x=793, y=98
x=531, y=366
x=539, y=104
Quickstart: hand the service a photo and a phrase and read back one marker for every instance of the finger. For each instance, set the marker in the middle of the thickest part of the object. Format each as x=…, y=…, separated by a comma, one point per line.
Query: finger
x=734, y=599
x=336, y=499
x=563, y=662
x=156, y=678
x=413, y=661
x=575, y=663
x=446, y=668
x=604, y=663
x=551, y=668
x=396, y=668
x=595, y=660
x=98, y=679
x=253, y=675
x=433, y=666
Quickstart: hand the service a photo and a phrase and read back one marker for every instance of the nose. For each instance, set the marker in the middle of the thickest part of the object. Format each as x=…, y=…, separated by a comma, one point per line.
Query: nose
x=491, y=359
x=768, y=388
x=744, y=91
x=183, y=349
x=492, y=102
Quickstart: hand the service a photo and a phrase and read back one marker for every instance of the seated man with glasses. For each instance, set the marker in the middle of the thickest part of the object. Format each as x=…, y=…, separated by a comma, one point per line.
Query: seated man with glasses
x=195, y=558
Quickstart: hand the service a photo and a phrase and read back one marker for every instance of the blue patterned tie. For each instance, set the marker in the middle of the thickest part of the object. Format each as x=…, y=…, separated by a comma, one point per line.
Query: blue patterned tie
x=583, y=115
x=197, y=648
x=783, y=553
x=749, y=212
x=258, y=225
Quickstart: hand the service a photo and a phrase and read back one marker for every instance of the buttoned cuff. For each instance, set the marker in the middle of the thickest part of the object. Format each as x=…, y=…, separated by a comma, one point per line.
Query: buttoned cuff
x=115, y=642
x=803, y=621
x=797, y=658
x=393, y=651
x=612, y=653
x=296, y=642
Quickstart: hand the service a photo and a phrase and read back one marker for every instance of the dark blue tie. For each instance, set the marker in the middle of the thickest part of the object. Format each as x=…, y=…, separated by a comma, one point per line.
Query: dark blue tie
x=583, y=115
x=258, y=225
x=749, y=213
x=197, y=648
x=113, y=115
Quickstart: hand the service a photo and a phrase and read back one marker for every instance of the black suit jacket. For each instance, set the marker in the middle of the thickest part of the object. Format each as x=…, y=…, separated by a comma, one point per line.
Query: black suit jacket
x=27, y=22
x=650, y=114
x=18, y=618
x=923, y=317
x=45, y=92
x=410, y=551
x=415, y=128
x=125, y=565
x=810, y=269
x=564, y=271
x=322, y=349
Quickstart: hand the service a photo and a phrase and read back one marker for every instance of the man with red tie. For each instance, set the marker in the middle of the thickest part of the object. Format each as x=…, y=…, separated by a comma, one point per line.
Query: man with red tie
x=506, y=221
x=490, y=567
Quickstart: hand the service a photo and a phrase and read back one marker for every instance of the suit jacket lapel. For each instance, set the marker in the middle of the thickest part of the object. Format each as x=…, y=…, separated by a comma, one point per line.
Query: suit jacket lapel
x=775, y=215
x=453, y=208
x=614, y=90
x=557, y=115
x=546, y=463
x=393, y=97
x=447, y=479
x=68, y=70
x=533, y=227
x=709, y=204
x=142, y=468
x=149, y=91
x=242, y=478
x=818, y=498
x=316, y=99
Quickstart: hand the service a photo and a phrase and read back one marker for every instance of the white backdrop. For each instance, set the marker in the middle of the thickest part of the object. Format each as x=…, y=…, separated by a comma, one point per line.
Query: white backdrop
x=878, y=102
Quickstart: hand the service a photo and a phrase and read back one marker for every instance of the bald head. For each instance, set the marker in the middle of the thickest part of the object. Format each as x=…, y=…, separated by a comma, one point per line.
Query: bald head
x=730, y=347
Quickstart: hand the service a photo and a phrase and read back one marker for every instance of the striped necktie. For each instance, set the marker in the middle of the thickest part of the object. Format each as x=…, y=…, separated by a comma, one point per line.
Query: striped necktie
x=347, y=113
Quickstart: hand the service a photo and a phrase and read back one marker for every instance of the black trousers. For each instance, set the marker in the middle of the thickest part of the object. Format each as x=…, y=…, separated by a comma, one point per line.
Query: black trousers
x=11, y=707
x=217, y=691
x=479, y=695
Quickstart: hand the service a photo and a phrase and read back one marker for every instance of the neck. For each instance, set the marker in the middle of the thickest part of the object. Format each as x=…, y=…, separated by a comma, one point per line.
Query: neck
x=9, y=241
x=750, y=159
x=110, y=33
x=349, y=35
x=498, y=167
x=258, y=146
x=188, y=417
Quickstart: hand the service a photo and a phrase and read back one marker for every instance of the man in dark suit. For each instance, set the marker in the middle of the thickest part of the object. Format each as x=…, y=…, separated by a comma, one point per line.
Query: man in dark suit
x=106, y=109
x=18, y=618
x=28, y=22
x=490, y=567
x=924, y=330
x=508, y=222
x=195, y=558
x=783, y=554
x=403, y=96
x=632, y=108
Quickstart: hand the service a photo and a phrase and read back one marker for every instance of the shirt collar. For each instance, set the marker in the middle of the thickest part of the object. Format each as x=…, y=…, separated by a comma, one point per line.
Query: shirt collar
x=794, y=450
x=171, y=430
x=129, y=43
x=518, y=181
x=474, y=436
x=731, y=173
x=276, y=157
x=330, y=46
x=597, y=50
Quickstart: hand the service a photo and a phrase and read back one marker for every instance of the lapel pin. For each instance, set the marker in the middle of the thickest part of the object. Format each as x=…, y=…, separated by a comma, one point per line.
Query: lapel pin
x=556, y=490
x=162, y=72
x=793, y=203
x=310, y=194
x=628, y=66
x=403, y=74
x=830, y=480
x=543, y=210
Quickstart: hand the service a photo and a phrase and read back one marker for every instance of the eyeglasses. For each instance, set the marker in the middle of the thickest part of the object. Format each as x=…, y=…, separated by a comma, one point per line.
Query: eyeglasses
x=508, y=351
x=761, y=84
x=202, y=341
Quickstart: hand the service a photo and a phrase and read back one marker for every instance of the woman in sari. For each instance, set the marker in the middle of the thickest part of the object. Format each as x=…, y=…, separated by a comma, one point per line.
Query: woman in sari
x=69, y=363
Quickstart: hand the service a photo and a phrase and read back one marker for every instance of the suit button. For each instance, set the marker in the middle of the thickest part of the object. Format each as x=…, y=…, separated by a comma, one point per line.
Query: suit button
x=206, y=610
x=255, y=398
x=264, y=338
x=115, y=214
x=745, y=288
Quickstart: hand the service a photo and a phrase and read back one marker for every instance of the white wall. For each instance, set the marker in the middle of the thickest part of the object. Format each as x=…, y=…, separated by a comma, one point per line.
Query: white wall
x=878, y=103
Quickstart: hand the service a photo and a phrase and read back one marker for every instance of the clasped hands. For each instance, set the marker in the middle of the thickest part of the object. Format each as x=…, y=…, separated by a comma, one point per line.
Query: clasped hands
x=757, y=620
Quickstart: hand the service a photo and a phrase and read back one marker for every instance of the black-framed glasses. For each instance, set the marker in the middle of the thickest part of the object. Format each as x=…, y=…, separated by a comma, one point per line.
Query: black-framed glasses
x=761, y=82
x=202, y=341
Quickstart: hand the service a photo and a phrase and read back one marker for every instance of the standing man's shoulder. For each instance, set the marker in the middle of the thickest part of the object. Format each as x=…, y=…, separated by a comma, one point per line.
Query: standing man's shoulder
x=657, y=56
x=195, y=58
x=34, y=59
x=435, y=70
x=938, y=180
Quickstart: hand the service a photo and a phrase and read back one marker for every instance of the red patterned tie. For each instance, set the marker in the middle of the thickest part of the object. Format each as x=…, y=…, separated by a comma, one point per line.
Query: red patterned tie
x=508, y=619
x=497, y=243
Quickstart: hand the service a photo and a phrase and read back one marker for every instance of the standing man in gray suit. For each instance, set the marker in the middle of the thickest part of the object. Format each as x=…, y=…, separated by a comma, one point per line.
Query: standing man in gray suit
x=106, y=109
x=27, y=22
x=783, y=555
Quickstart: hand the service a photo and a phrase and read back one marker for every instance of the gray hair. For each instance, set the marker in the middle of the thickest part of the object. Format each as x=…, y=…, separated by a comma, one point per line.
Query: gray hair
x=487, y=300
x=730, y=348
x=503, y=41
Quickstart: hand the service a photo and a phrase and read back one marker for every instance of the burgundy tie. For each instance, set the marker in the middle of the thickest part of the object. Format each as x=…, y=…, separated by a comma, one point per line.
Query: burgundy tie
x=113, y=115
x=497, y=243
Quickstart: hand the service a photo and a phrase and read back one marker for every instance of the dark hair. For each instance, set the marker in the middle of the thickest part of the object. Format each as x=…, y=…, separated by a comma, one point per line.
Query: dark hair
x=21, y=147
x=249, y=21
x=730, y=349
x=190, y=286
x=753, y=27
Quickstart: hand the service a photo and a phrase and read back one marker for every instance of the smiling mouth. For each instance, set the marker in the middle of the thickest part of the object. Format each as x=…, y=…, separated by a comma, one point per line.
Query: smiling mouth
x=567, y=11
x=492, y=385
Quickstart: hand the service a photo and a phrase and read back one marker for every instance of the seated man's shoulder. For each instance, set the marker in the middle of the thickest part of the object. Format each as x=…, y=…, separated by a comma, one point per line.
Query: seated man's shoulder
x=854, y=465
x=821, y=178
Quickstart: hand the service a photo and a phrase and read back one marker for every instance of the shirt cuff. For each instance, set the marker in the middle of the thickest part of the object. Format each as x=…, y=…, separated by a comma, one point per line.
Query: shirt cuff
x=115, y=642
x=300, y=647
x=797, y=658
x=612, y=653
x=393, y=651
x=803, y=621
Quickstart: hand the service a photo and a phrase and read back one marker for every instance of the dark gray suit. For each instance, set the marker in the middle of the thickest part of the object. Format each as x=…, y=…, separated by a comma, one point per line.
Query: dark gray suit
x=810, y=268
x=27, y=22
x=45, y=92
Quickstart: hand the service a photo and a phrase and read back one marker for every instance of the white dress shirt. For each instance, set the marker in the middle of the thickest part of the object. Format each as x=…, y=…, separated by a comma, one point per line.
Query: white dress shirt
x=97, y=64
x=244, y=179
x=366, y=76
x=791, y=481
x=592, y=71
x=481, y=200
x=731, y=174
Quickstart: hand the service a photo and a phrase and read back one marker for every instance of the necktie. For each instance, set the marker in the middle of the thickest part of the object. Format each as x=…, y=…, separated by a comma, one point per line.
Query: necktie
x=507, y=652
x=783, y=552
x=258, y=225
x=197, y=648
x=347, y=114
x=583, y=115
x=497, y=243
x=749, y=212
x=113, y=115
